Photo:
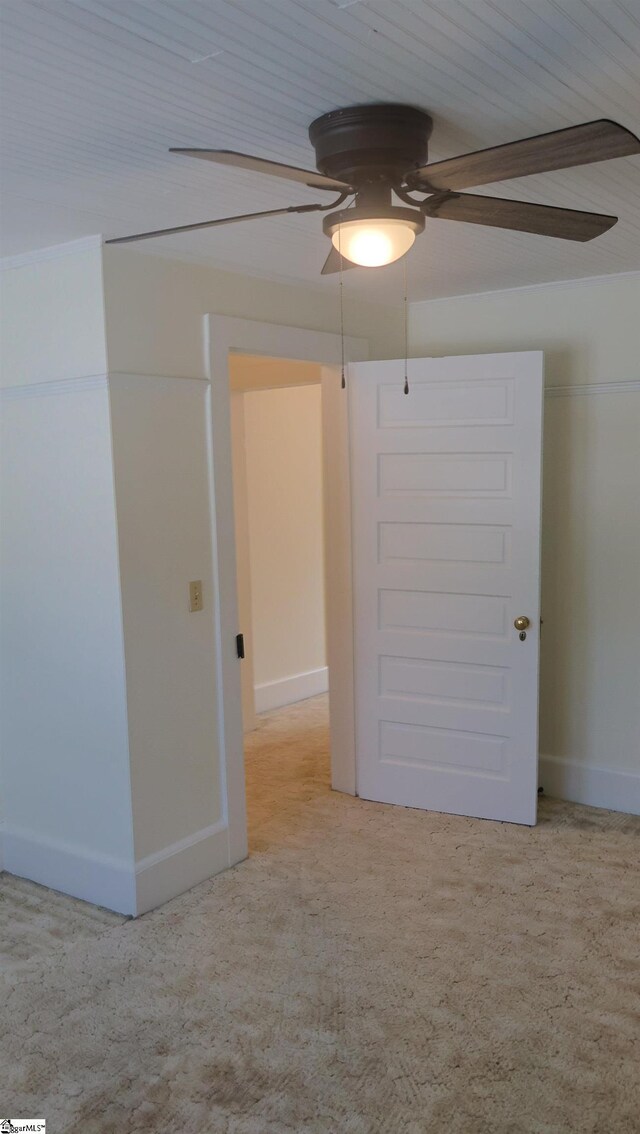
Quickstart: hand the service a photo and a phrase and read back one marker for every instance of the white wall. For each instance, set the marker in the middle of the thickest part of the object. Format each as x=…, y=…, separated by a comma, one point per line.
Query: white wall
x=590, y=649
x=587, y=328
x=590, y=676
x=283, y=443
x=160, y=449
x=65, y=778
x=52, y=308
x=155, y=306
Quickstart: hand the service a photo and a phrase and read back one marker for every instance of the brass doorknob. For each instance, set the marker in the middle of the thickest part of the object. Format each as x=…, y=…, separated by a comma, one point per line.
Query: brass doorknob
x=521, y=622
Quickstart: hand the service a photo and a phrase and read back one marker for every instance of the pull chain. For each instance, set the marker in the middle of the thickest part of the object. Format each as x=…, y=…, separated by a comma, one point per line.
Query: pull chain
x=406, y=327
x=343, y=383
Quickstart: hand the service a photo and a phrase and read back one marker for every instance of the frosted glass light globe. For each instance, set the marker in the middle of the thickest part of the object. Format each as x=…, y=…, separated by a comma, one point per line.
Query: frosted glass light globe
x=372, y=243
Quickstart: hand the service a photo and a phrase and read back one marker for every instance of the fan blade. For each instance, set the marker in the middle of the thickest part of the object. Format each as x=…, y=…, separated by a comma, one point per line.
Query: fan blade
x=261, y=165
x=215, y=223
x=332, y=263
x=498, y=212
x=578, y=145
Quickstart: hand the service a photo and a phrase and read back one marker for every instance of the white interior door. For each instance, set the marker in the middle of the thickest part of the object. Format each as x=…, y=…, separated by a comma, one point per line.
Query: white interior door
x=446, y=535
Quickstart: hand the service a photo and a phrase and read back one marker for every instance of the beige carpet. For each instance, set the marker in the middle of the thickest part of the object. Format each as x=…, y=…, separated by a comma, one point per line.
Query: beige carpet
x=369, y=969
x=35, y=921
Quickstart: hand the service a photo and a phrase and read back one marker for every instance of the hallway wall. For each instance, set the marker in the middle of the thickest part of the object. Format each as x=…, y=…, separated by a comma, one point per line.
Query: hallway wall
x=283, y=439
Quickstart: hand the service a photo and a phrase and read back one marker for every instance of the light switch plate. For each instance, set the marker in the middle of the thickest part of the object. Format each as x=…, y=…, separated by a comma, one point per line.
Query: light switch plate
x=195, y=595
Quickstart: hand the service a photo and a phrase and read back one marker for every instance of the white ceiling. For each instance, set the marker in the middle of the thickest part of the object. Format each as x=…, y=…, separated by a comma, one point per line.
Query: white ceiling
x=95, y=92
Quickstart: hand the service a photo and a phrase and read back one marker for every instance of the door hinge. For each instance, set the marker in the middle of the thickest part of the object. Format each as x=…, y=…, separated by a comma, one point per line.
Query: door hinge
x=240, y=645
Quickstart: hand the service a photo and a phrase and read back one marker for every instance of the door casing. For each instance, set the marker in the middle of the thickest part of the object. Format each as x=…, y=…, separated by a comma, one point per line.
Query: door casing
x=224, y=335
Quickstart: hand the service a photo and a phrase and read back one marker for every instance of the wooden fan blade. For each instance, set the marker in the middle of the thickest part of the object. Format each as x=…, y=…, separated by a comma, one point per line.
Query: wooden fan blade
x=215, y=223
x=332, y=263
x=497, y=212
x=577, y=145
x=261, y=165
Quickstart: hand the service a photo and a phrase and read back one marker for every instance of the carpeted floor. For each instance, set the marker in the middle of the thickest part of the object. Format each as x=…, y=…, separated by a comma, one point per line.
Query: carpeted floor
x=368, y=970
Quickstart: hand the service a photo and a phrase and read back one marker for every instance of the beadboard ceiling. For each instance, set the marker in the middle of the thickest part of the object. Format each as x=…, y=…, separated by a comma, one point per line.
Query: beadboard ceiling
x=95, y=92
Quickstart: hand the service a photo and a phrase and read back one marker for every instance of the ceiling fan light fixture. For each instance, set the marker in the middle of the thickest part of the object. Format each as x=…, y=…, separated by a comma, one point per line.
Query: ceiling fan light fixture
x=373, y=243
x=373, y=237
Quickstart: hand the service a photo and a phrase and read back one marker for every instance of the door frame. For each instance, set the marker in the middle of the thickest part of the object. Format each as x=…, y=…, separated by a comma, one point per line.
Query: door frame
x=224, y=335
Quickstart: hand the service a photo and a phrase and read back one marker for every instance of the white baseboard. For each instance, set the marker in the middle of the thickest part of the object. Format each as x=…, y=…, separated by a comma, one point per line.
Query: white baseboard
x=113, y=884
x=99, y=879
x=181, y=866
x=596, y=787
x=275, y=694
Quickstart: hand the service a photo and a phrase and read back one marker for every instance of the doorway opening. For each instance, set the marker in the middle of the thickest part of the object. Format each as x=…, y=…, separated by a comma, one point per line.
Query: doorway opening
x=277, y=456
x=226, y=337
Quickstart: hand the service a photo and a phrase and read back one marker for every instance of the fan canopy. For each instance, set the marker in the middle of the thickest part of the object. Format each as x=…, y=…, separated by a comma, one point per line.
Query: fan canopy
x=371, y=144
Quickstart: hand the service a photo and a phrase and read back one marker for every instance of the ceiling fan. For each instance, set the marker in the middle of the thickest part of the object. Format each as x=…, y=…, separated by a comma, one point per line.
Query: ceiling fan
x=371, y=153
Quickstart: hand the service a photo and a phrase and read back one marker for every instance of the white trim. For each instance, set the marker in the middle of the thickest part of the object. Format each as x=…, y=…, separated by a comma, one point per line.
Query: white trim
x=103, y=305
x=583, y=281
x=179, y=846
x=84, y=382
x=120, y=616
x=53, y=252
x=595, y=787
x=577, y=391
x=275, y=340
x=288, y=690
x=180, y=866
x=49, y=389
x=101, y=879
x=243, y=556
x=224, y=334
x=338, y=586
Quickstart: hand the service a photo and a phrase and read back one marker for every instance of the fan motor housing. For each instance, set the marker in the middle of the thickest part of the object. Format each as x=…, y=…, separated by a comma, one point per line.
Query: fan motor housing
x=369, y=144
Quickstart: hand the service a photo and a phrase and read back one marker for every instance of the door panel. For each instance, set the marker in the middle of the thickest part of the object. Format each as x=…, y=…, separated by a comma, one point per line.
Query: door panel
x=446, y=532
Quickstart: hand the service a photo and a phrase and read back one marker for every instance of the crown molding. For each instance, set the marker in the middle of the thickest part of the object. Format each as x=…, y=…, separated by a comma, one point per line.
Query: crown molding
x=55, y=252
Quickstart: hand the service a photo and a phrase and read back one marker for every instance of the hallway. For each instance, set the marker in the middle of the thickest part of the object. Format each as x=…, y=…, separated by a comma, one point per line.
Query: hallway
x=286, y=766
